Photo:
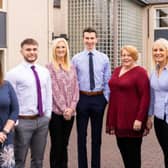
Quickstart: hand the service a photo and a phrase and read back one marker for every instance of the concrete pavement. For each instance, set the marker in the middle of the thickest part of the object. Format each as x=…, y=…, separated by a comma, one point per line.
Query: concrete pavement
x=151, y=152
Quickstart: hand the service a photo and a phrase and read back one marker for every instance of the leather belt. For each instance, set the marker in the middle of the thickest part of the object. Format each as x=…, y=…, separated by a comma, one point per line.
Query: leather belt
x=29, y=117
x=91, y=93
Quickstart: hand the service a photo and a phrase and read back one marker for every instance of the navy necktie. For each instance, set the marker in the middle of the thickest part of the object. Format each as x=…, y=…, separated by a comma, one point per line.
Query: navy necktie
x=39, y=96
x=91, y=71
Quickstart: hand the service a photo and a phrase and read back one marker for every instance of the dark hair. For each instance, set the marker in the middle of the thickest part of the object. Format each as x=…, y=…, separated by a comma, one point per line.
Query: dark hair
x=89, y=30
x=1, y=74
x=28, y=41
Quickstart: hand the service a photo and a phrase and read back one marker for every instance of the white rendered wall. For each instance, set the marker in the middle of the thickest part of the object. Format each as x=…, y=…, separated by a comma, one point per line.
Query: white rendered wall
x=28, y=19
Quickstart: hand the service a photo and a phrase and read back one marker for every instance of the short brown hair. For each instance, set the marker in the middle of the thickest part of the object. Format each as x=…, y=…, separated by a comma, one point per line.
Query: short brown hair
x=132, y=51
x=89, y=30
x=28, y=41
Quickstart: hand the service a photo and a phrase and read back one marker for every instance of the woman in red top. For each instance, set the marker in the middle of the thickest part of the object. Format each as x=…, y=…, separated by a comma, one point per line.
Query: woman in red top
x=128, y=106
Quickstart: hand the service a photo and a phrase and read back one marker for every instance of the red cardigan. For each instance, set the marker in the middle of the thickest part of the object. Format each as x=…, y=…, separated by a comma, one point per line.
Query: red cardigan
x=129, y=101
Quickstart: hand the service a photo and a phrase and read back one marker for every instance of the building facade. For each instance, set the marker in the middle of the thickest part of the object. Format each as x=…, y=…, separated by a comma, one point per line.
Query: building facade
x=3, y=34
x=117, y=22
x=157, y=24
x=22, y=19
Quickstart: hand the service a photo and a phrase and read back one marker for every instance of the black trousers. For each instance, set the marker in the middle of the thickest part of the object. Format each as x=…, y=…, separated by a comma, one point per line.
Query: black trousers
x=60, y=130
x=90, y=107
x=130, y=149
x=161, y=130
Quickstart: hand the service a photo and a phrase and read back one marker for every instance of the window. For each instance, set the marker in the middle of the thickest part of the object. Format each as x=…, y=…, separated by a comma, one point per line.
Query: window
x=2, y=29
x=84, y=13
x=162, y=18
x=57, y=3
x=2, y=60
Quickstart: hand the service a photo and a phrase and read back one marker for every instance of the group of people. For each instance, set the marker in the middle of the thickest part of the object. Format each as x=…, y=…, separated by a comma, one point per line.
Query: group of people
x=35, y=99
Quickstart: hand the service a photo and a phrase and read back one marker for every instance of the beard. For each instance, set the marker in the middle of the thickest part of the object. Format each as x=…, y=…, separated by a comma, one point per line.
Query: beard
x=30, y=60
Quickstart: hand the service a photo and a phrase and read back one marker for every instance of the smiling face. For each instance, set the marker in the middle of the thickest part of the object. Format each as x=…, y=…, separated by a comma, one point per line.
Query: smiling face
x=29, y=52
x=126, y=59
x=89, y=40
x=160, y=53
x=60, y=50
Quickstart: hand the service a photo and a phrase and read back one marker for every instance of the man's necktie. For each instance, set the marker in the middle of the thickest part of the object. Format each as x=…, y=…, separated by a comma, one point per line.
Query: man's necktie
x=91, y=71
x=39, y=96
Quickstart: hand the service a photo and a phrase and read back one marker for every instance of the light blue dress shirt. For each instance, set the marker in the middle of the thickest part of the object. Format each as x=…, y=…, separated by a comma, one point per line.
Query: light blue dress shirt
x=23, y=81
x=159, y=94
x=102, y=71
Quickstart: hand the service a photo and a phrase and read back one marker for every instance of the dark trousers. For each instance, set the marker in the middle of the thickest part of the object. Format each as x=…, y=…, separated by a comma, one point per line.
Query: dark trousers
x=90, y=107
x=60, y=130
x=161, y=130
x=130, y=149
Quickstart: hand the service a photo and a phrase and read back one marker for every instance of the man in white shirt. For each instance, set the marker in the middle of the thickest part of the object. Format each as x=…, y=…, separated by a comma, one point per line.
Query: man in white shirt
x=32, y=84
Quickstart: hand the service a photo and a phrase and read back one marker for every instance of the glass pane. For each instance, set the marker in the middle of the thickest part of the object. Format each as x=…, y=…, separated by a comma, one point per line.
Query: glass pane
x=157, y=23
x=162, y=12
x=162, y=22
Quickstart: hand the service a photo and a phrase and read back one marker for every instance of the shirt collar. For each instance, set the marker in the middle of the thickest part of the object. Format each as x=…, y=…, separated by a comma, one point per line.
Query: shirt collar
x=87, y=52
x=27, y=64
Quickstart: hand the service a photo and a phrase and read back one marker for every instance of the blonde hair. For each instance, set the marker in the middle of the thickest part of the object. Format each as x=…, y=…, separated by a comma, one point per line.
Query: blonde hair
x=132, y=51
x=67, y=56
x=163, y=42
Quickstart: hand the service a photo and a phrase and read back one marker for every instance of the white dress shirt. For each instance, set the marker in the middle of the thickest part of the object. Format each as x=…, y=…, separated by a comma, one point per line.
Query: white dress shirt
x=22, y=79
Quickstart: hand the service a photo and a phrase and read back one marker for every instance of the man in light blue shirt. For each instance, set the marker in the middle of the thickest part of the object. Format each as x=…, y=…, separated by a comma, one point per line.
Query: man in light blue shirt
x=35, y=101
x=93, y=70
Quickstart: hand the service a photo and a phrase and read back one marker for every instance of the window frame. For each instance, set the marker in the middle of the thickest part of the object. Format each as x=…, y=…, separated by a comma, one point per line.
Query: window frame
x=158, y=18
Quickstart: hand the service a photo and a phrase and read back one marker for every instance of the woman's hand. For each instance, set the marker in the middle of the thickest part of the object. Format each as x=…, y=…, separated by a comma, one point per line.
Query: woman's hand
x=3, y=137
x=68, y=113
x=146, y=132
x=110, y=131
x=137, y=125
x=149, y=123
